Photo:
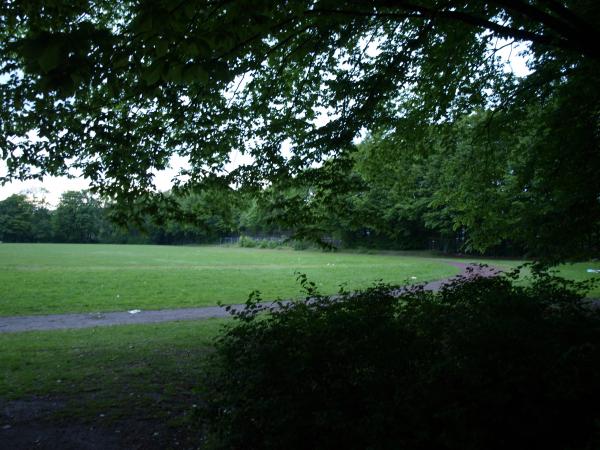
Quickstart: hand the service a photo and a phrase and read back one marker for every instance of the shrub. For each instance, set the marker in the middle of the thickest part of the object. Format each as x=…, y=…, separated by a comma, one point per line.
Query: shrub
x=301, y=244
x=274, y=244
x=247, y=242
x=483, y=364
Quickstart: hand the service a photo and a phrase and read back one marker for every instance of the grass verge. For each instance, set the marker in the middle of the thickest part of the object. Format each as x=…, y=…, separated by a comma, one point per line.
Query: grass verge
x=126, y=387
x=113, y=359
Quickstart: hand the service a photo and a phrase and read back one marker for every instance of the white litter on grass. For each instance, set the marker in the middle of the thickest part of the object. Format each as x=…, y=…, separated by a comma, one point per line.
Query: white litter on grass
x=135, y=311
x=413, y=278
x=593, y=270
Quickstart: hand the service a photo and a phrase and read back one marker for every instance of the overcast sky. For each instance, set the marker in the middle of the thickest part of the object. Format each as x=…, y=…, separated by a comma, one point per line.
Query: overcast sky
x=55, y=186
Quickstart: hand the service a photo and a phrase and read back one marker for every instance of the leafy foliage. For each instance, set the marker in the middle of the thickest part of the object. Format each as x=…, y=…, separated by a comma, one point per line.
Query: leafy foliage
x=116, y=88
x=78, y=218
x=484, y=363
x=16, y=216
x=247, y=242
x=485, y=176
x=83, y=218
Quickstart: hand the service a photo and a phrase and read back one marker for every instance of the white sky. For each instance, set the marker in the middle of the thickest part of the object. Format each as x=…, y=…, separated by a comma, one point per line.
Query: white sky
x=51, y=188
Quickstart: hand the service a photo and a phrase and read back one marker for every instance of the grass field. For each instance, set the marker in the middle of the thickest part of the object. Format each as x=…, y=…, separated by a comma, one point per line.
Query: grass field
x=571, y=271
x=57, y=278
x=115, y=359
x=131, y=386
x=145, y=378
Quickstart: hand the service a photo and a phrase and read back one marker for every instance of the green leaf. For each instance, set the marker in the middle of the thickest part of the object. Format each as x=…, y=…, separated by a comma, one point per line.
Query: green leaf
x=162, y=47
x=121, y=62
x=175, y=73
x=190, y=10
x=145, y=25
x=50, y=58
x=195, y=74
x=152, y=75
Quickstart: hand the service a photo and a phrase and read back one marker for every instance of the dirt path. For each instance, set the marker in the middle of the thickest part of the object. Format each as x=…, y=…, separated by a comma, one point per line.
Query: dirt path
x=14, y=324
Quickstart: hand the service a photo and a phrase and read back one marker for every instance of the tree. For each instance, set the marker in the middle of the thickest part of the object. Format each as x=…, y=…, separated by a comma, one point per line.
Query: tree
x=78, y=218
x=42, y=223
x=115, y=89
x=16, y=214
x=506, y=179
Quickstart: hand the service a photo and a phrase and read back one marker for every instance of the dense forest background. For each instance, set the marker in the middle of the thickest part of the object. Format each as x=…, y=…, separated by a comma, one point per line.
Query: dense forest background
x=215, y=218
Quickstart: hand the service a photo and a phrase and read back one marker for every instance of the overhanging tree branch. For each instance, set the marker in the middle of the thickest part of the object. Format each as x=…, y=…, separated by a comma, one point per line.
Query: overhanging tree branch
x=561, y=35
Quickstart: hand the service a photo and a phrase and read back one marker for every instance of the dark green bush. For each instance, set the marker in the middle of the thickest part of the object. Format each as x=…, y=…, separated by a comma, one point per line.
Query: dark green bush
x=483, y=364
x=274, y=244
x=302, y=244
x=267, y=243
x=247, y=242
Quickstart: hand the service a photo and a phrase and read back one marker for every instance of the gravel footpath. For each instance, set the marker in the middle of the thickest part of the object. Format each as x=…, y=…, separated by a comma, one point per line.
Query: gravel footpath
x=14, y=324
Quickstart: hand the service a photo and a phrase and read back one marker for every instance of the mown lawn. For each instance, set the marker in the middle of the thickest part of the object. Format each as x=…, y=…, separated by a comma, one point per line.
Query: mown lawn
x=578, y=272
x=572, y=271
x=60, y=278
x=118, y=359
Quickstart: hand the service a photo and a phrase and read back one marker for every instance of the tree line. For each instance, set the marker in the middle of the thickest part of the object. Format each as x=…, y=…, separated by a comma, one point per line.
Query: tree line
x=82, y=217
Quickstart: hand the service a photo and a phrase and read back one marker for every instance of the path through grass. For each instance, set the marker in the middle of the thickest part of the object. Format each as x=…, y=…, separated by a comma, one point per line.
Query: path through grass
x=572, y=271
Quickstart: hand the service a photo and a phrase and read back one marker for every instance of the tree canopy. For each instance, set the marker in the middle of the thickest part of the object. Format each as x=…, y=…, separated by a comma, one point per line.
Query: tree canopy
x=116, y=88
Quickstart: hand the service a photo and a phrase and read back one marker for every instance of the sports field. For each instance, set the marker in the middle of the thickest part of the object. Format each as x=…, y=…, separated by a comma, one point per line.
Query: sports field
x=60, y=278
